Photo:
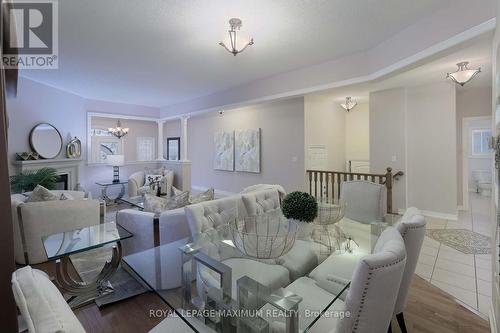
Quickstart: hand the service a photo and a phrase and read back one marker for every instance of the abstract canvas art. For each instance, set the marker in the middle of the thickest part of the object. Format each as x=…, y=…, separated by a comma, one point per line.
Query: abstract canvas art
x=224, y=151
x=247, y=150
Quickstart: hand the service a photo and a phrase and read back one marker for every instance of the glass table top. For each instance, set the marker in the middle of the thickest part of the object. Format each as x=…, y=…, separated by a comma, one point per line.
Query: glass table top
x=70, y=242
x=109, y=183
x=191, y=277
x=137, y=201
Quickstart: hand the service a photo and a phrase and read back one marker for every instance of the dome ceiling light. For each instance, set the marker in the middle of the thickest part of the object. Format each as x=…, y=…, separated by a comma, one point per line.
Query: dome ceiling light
x=463, y=73
x=349, y=104
x=235, y=24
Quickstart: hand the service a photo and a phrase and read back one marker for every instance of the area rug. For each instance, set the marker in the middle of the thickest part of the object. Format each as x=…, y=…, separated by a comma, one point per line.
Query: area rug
x=88, y=265
x=463, y=240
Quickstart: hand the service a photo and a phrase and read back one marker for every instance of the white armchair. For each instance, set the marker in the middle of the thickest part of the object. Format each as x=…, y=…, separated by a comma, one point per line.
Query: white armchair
x=33, y=220
x=137, y=180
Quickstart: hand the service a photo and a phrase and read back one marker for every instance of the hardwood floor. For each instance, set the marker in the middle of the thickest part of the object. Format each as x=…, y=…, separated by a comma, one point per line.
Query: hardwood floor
x=429, y=310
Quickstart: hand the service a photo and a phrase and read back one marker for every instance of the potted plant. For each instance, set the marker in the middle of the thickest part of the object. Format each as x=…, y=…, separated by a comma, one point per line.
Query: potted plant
x=26, y=181
x=300, y=206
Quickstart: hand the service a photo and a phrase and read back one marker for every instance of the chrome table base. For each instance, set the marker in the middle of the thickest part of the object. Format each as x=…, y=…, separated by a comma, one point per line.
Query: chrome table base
x=81, y=293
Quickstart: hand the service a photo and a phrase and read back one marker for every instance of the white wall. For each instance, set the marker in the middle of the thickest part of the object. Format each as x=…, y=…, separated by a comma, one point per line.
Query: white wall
x=282, y=146
x=357, y=133
x=324, y=124
x=414, y=130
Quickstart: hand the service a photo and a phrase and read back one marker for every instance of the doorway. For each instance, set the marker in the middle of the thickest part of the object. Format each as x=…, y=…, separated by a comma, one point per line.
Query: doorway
x=476, y=157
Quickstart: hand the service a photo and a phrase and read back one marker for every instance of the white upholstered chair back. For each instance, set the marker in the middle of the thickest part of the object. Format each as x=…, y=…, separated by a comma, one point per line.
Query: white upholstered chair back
x=375, y=285
x=412, y=229
x=365, y=201
x=33, y=220
x=41, y=304
x=209, y=215
x=260, y=202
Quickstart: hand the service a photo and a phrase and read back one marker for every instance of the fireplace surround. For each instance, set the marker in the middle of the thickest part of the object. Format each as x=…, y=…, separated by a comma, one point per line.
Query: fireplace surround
x=67, y=169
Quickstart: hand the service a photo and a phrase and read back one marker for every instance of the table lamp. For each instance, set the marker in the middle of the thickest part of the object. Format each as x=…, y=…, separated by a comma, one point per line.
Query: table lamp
x=116, y=161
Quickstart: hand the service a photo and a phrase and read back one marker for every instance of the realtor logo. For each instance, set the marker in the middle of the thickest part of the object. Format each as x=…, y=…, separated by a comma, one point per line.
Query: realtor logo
x=32, y=34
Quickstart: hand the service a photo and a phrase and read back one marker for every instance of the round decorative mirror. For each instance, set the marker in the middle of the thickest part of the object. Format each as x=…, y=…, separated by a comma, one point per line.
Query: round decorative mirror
x=46, y=140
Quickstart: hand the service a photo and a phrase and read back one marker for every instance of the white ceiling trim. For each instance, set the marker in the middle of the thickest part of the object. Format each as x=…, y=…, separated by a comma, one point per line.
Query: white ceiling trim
x=236, y=97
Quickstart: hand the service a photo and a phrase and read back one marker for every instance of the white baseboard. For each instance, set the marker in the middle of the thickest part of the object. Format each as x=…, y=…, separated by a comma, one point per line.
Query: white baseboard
x=218, y=193
x=438, y=215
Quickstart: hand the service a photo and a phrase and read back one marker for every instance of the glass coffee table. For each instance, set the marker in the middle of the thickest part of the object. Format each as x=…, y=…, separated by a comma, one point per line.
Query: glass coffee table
x=137, y=201
x=60, y=246
x=197, y=280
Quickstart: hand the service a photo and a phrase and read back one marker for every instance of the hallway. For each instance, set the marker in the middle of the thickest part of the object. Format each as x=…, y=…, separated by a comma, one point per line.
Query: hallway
x=465, y=276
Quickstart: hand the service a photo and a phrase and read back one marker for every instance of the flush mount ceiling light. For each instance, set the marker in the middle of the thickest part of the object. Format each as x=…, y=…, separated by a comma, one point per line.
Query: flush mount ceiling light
x=463, y=74
x=349, y=104
x=235, y=24
x=118, y=131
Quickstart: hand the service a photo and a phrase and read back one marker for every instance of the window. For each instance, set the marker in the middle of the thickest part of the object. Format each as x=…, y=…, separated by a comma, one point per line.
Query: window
x=480, y=139
x=145, y=148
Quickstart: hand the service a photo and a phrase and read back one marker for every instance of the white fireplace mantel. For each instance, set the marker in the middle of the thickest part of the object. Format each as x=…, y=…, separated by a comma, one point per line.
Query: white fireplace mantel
x=64, y=166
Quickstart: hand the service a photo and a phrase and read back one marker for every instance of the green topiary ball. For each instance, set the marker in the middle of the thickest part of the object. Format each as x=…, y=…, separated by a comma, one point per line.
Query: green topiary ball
x=300, y=206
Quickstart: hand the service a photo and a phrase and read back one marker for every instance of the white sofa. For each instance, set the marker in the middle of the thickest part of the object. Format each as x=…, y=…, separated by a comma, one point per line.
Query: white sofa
x=137, y=180
x=42, y=306
x=33, y=220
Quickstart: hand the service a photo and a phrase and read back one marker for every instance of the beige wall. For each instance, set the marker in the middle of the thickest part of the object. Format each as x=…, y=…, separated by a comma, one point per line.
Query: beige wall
x=138, y=128
x=357, y=133
x=388, y=137
x=471, y=102
x=324, y=124
x=431, y=148
x=414, y=130
x=282, y=145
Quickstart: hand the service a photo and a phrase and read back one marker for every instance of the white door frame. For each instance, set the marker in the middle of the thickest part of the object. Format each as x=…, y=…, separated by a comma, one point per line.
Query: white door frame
x=465, y=158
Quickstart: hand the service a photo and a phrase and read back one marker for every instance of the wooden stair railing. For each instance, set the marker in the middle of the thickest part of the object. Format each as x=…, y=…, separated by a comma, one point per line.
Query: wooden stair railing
x=326, y=184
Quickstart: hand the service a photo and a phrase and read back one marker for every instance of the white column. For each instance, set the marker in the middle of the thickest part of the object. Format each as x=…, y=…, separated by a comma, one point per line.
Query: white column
x=160, y=141
x=184, y=138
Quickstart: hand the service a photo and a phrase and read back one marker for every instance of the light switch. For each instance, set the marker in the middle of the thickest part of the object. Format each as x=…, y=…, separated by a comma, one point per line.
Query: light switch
x=394, y=158
x=295, y=159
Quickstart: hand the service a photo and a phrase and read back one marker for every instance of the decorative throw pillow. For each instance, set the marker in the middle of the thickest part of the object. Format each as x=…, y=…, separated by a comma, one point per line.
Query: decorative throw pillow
x=66, y=196
x=40, y=193
x=152, y=179
x=179, y=200
x=156, y=204
x=204, y=196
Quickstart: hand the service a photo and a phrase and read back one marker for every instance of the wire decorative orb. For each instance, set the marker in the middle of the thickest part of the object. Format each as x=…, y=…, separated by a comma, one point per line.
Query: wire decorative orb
x=266, y=236
x=329, y=212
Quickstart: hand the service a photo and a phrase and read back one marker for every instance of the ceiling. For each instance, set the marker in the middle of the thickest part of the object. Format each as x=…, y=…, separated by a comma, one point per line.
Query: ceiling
x=476, y=51
x=163, y=52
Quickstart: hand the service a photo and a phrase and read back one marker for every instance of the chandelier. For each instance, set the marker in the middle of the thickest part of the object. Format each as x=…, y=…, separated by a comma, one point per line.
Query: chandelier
x=463, y=74
x=118, y=131
x=349, y=104
x=235, y=24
